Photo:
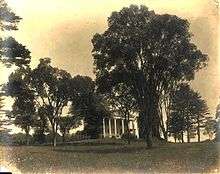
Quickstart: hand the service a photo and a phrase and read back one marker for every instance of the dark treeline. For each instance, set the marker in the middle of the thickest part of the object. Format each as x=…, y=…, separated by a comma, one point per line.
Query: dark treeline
x=143, y=65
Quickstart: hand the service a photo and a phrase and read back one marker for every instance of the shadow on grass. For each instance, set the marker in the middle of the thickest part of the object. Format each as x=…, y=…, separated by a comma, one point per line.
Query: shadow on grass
x=121, y=149
x=96, y=144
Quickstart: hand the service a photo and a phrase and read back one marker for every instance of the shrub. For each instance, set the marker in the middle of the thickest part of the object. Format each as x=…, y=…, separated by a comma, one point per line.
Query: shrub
x=79, y=135
x=49, y=137
x=113, y=137
x=20, y=139
x=125, y=136
x=39, y=137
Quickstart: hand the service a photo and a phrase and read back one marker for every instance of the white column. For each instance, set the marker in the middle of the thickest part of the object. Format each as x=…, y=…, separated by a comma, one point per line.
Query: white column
x=137, y=130
x=115, y=126
x=103, y=125
x=122, y=126
x=133, y=126
x=110, y=128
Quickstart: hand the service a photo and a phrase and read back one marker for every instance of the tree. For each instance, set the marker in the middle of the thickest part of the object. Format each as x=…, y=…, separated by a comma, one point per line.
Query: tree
x=176, y=126
x=49, y=86
x=210, y=127
x=217, y=126
x=1, y=106
x=8, y=19
x=88, y=105
x=217, y=113
x=40, y=125
x=26, y=111
x=123, y=104
x=23, y=108
x=11, y=52
x=1, y=102
x=201, y=111
x=23, y=111
x=191, y=108
x=66, y=123
x=149, y=53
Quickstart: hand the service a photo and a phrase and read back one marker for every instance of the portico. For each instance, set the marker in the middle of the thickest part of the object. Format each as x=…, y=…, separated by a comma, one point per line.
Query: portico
x=116, y=127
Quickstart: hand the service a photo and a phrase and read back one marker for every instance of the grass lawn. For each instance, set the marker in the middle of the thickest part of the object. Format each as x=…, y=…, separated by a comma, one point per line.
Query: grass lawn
x=111, y=156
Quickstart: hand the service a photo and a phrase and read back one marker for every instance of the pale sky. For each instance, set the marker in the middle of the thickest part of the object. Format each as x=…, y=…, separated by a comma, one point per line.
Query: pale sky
x=63, y=29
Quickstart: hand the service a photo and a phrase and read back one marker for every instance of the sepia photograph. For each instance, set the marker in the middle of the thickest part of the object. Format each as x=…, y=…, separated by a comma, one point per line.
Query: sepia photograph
x=109, y=86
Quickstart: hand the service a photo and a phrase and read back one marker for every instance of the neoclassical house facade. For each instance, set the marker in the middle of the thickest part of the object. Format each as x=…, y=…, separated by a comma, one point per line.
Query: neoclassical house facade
x=116, y=127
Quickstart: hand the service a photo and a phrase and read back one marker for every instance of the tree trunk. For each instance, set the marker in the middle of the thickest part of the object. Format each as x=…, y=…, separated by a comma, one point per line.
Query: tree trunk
x=145, y=126
x=188, y=135
x=149, y=123
x=128, y=121
x=54, y=135
x=198, y=130
x=63, y=137
x=156, y=128
x=149, y=138
x=182, y=136
x=198, y=135
x=27, y=137
x=154, y=115
x=167, y=112
x=127, y=127
x=153, y=119
x=188, y=130
x=129, y=137
x=55, y=140
x=175, y=137
x=165, y=134
x=142, y=125
x=162, y=126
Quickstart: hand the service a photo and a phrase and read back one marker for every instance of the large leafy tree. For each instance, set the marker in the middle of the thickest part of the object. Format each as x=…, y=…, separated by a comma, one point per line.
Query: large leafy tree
x=23, y=111
x=176, y=125
x=40, y=125
x=201, y=111
x=8, y=19
x=49, y=86
x=11, y=52
x=217, y=126
x=88, y=105
x=210, y=127
x=148, y=52
x=23, y=108
x=189, y=107
x=66, y=123
x=123, y=104
x=1, y=106
x=1, y=101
